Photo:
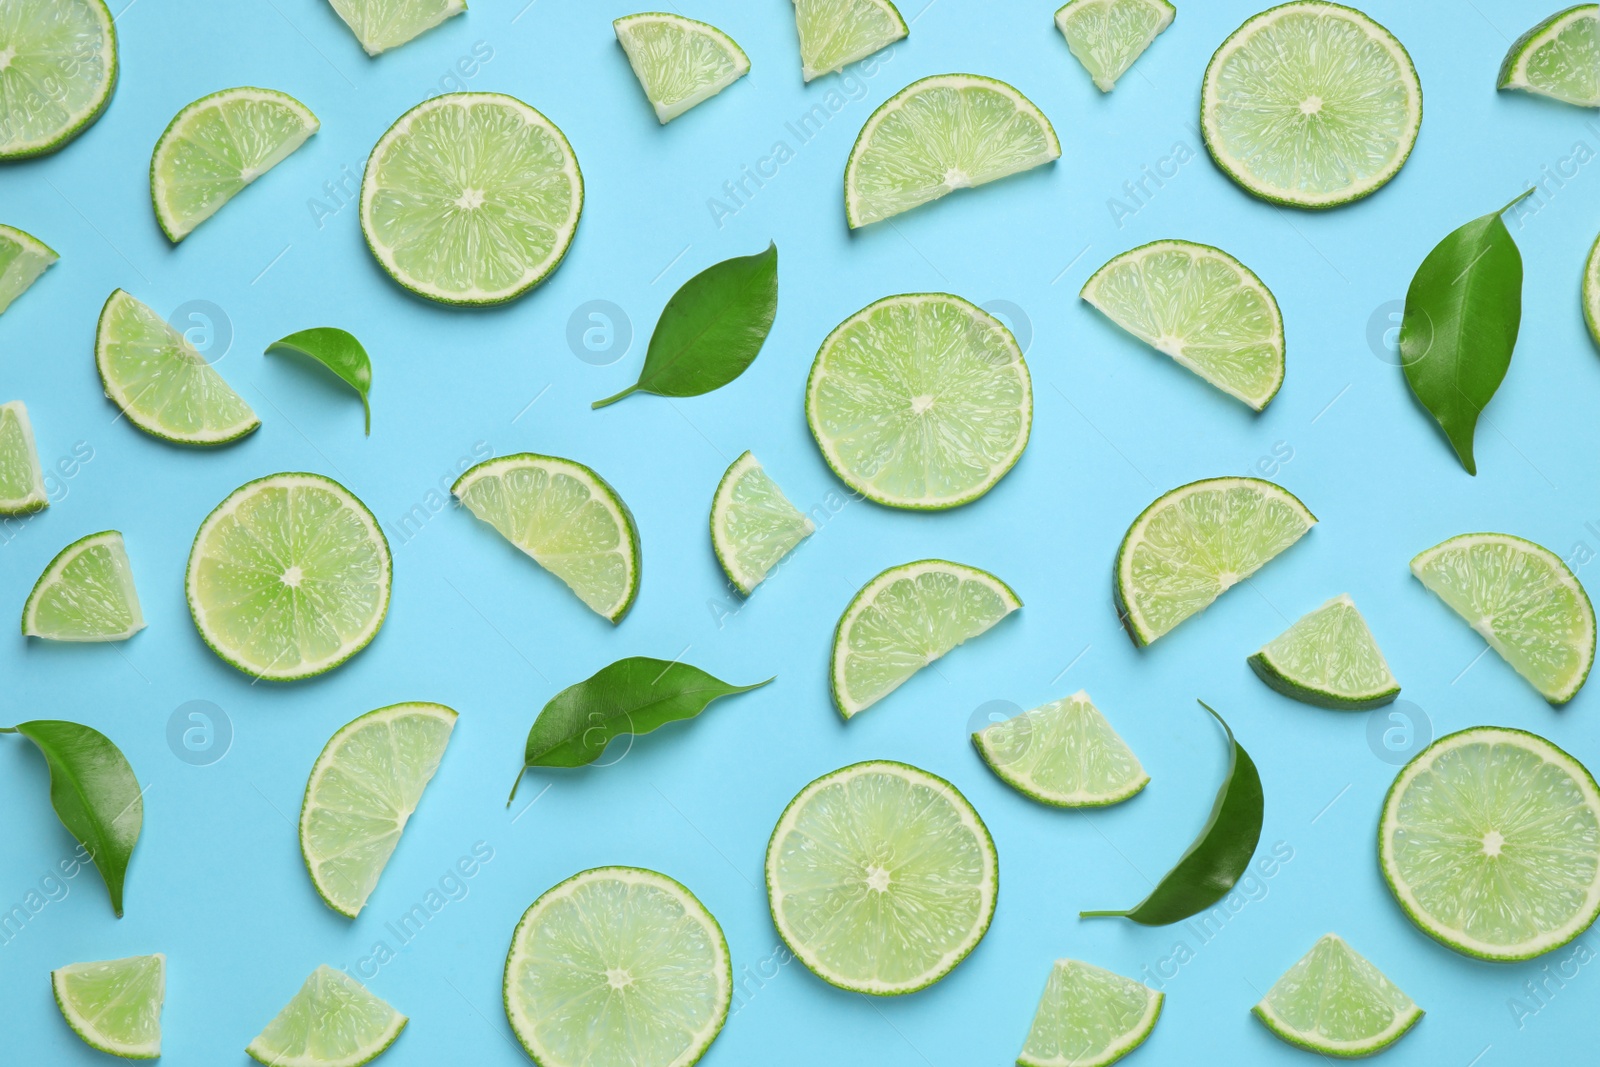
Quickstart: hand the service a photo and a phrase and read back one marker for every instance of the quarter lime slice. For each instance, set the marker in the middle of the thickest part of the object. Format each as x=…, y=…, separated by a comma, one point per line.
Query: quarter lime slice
x=1203, y=308
x=1335, y=1003
x=1311, y=104
x=59, y=67
x=1559, y=58
x=1089, y=1017
x=753, y=525
x=881, y=877
x=362, y=791
x=940, y=134
x=920, y=401
x=906, y=618
x=836, y=33
x=289, y=577
x=1591, y=292
x=1063, y=753
x=21, y=481
x=1328, y=658
x=1490, y=841
x=332, y=1022
x=567, y=518
x=85, y=594
x=1107, y=36
x=1523, y=600
x=679, y=62
x=614, y=967
x=115, y=1005
x=160, y=382
x=471, y=198
x=1197, y=542
x=384, y=24
x=23, y=257
x=218, y=145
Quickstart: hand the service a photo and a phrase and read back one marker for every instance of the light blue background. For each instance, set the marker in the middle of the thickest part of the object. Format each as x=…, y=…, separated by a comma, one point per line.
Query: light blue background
x=217, y=882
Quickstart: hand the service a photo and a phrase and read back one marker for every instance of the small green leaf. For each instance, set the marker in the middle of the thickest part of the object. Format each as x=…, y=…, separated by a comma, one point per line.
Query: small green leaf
x=1218, y=857
x=711, y=330
x=337, y=350
x=631, y=696
x=1462, y=314
x=93, y=791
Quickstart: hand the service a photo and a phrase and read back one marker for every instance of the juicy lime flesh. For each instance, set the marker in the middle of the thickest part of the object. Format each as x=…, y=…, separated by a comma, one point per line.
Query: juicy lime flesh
x=332, y=1022
x=757, y=526
x=921, y=401
x=383, y=24
x=1334, y=1000
x=1107, y=36
x=58, y=60
x=1064, y=753
x=679, y=62
x=1088, y=1016
x=21, y=481
x=1591, y=292
x=87, y=596
x=1331, y=652
x=115, y=1005
x=22, y=260
x=1564, y=65
x=836, y=33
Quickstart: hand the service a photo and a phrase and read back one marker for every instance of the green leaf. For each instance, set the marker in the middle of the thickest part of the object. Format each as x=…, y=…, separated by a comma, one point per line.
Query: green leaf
x=93, y=791
x=632, y=696
x=337, y=350
x=712, y=328
x=1462, y=314
x=1218, y=857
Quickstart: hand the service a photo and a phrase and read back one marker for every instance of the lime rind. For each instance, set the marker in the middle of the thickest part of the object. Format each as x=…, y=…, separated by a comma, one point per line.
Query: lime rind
x=1108, y=36
x=83, y=36
x=680, y=62
x=1089, y=1017
x=753, y=525
x=333, y=1021
x=22, y=489
x=837, y=33
x=23, y=259
x=85, y=594
x=114, y=1005
x=1559, y=58
x=1334, y=1002
x=1063, y=753
x=1328, y=658
x=380, y=25
x=1591, y=292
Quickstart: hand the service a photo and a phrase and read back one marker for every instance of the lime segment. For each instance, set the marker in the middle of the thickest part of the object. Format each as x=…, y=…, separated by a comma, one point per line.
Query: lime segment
x=115, y=1005
x=1591, y=292
x=23, y=258
x=85, y=594
x=1559, y=58
x=753, y=525
x=1063, y=753
x=332, y=1022
x=1089, y=1017
x=679, y=62
x=21, y=480
x=1328, y=658
x=836, y=33
x=384, y=24
x=58, y=65
x=1335, y=1003
x=1107, y=36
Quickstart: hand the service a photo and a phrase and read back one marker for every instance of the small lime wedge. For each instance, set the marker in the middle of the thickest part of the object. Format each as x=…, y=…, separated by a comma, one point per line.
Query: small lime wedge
x=21, y=480
x=332, y=1022
x=1063, y=753
x=679, y=62
x=384, y=24
x=115, y=1005
x=85, y=594
x=1107, y=36
x=753, y=525
x=1089, y=1017
x=1559, y=58
x=836, y=33
x=1328, y=658
x=1591, y=292
x=1333, y=1002
x=23, y=258
x=60, y=67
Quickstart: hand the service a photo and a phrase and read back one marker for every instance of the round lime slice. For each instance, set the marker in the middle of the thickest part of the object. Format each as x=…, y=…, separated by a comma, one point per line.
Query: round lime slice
x=679, y=62
x=836, y=33
x=753, y=525
x=384, y=24
x=1335, y=1003
x=58, y=65
x=23, y=258
x=21, y=480
x=85, y=594
x=1591, y=292
x=1107, y=36
x=115, y=1005
x=1064, y=753
x=1328, y=658
x=1559, y=58
x=1089, y=1017
x=332, y=1022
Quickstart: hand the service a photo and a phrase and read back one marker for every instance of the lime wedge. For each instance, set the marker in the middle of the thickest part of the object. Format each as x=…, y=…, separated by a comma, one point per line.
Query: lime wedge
x=1559, y=58
x=753, y=525
x=332, y=1022
x=836, y=33
x=384, y=24
x=1311, y=104
x=881, y=877
x=21, y=481
x=679, y=62
x=85, y=594
x=1335, y=1003
x=115, y=1005
x=59, y=67
x=906, y=618
x=218, y=145
x=617, y=966
x=362, y=791
x=1063, y=753
x=23, y=257
x=1591, y=292
x=940, y=134
x=160, y=382
x=567, y=518
x=1203, y=308
x=288, y=577
x=1328, y=658
x=1490, y=841
x=1523, y=600
x=1107, y=36
x=471, y=198
x=920, y=401
x=1089, y=1017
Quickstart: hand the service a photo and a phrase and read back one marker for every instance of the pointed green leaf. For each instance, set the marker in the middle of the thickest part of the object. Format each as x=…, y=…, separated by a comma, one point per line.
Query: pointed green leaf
x=337, y=350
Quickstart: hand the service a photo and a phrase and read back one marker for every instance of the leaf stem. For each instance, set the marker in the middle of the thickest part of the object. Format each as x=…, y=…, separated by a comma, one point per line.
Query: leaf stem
x=1519, y=199
x=1102, y=914
x=612, y=399
x=515, y=786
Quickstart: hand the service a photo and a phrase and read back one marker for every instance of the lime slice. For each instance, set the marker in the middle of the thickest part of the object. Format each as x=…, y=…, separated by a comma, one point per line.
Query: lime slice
x=86, y=594
x=1107, y=36
x=288, y=577
x=614, y=967
x=679, y=62
x=940, y=134
x=58, y=65
x=1311, y=104
x=1591, y=292
x=1063, y=753
x=115, y=1005
x=332, y=1022
x=753, y=525
x=1328, y=658
x=1523, y=600
x=567, y=518
x=1197, y=542
x=1336, y=1003
x=21, y=480
x=881, y=877
x=23, y=257
x=471, y=198
x=837, y=33
x=1490, y=841
x=1089, y=1017
x=218, y=145
x=1203, y=308
x=160, y=382
x=920, y=401
x=1558, y=58
x=906, y=618
x=384, y=24
x=362, y=791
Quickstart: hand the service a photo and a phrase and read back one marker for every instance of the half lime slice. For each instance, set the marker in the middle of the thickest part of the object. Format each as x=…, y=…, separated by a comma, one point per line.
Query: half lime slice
x=115, y=1005
x=1089, y=1017
x=1335, y=1003
x=1063, y=753
x=1107, y=36
x=1559, y=58
x=23, y=257
x=85, y=594
x=332, y=1022
x=384, y=24
x=1328, y=658
x=21, y=480
x=60, y=65
x=679, y=62
x=753, y=525
x=837, y=33
x=881, y=877
x=1591, y=292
